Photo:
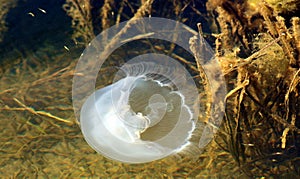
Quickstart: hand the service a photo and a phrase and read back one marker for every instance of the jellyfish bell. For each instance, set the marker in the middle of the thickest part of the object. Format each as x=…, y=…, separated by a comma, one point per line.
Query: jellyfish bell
x=151, y=108
x=145, y=115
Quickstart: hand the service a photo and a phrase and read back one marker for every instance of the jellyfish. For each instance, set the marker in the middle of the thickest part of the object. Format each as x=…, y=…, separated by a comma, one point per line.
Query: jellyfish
x=150, y=110
x=145, y=114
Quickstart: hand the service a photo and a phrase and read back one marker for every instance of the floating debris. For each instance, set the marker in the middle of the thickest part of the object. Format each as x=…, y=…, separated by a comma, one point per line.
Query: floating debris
x=31, y=14
x=42, y=10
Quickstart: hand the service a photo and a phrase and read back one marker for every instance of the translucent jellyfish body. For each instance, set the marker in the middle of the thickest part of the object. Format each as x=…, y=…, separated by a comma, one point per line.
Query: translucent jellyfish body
x=145, y=115
x=150, y=110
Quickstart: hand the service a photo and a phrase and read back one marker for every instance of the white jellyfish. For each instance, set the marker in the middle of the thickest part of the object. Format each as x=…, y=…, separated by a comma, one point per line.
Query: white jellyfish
x=146, y=115
x=150, y=110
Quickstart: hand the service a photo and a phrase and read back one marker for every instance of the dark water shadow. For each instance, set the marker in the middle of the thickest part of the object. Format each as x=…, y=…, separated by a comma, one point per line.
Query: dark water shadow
x=32, y=24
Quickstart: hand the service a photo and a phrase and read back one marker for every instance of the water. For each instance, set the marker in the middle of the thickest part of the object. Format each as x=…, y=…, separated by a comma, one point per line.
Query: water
x=40, y=137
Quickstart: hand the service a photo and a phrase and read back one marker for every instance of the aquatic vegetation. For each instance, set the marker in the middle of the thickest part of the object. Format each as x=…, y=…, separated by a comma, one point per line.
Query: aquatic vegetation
x=258, y=46
x=281, y=6
x=80, y=11
x=262, y=67
x=86, y=23
x=259, y=54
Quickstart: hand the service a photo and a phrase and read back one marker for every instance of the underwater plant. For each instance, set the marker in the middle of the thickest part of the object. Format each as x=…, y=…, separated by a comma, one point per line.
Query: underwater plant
x=260, y=57
x=257, y=45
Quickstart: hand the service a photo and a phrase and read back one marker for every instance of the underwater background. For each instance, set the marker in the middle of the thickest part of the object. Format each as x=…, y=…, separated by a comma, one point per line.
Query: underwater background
x=257, y=44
